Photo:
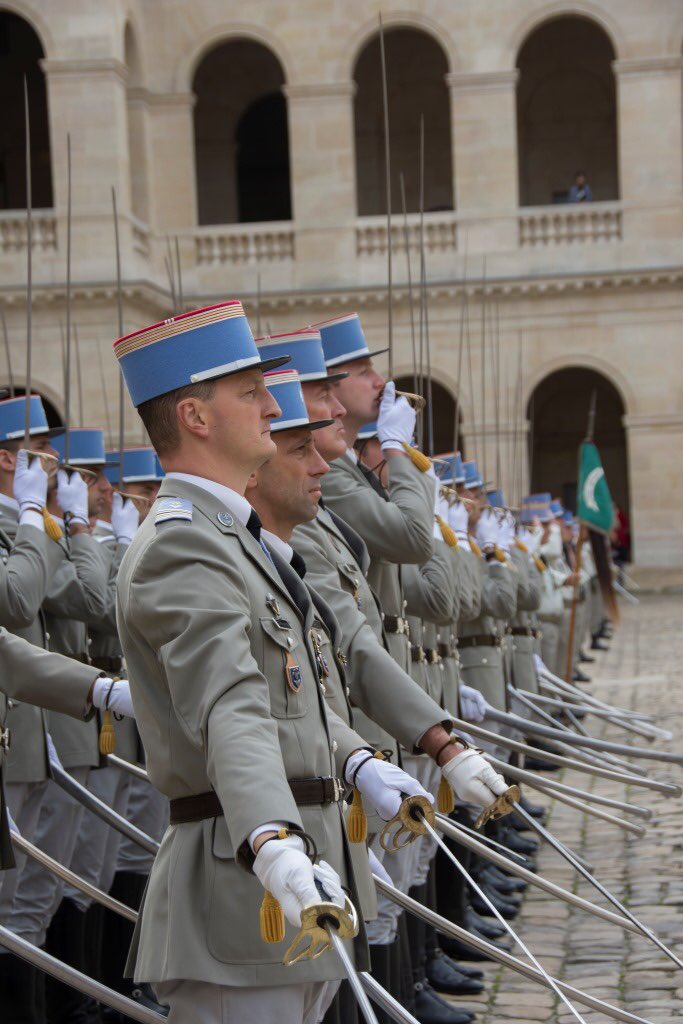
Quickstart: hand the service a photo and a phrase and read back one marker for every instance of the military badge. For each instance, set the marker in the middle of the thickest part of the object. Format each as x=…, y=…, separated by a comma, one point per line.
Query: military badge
x=292, y=674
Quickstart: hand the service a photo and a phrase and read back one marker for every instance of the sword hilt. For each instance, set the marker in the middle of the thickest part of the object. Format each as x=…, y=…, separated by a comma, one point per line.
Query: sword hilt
x=409, y=818
x=501, y=806
x=312, y=939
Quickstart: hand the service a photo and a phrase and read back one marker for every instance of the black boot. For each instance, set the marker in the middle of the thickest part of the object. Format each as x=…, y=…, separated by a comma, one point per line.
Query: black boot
x=489, y=927
x=517, y=843
x=431, y=1009
x=444, y=975
x=17, y=991
x=504, y=885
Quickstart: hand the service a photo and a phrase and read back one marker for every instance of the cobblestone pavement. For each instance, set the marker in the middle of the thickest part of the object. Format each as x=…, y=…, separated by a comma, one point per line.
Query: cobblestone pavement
x=643, y=668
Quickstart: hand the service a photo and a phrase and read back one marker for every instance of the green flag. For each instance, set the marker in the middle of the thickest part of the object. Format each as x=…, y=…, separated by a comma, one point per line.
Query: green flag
x=593, y=499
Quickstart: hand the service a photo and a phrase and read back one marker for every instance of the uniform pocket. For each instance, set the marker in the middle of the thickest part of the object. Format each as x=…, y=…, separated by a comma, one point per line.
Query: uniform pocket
x=284, y=666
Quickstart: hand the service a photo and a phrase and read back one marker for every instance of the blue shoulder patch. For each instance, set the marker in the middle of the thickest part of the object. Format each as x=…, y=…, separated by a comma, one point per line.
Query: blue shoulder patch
x=173, y=508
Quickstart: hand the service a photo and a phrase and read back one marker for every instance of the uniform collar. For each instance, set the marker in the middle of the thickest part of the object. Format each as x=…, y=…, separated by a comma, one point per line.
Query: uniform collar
x=351, y=454
x=234, y=502
x=283, y=549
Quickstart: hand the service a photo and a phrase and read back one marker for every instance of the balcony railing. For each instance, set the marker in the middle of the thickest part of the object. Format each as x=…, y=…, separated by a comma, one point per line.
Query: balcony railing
x=270, y=242
x=569, y=223
x=13, y=230
x=440, y=234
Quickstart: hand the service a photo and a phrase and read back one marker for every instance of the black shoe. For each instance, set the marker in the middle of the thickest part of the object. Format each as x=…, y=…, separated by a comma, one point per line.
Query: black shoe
x=444, y=976
x=518, y=843
x=535, y=764
x=144, y=994
x=581, y=677
x=489, y=927
x=430, y=1009
x=462, y=951
x=469, y=972
x=586, y=658
x=597, y=646
x=535, y=810
x=503, y=883
x=507, y=908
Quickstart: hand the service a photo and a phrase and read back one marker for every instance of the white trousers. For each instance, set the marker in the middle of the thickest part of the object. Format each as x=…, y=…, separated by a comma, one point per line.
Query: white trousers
x=202, y=1003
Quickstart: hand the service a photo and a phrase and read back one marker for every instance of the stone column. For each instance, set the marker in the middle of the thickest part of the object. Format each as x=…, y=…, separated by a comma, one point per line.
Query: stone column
x=322, y=169
x=173, y=196
x=654, y=442
x=650, y=132
x=484, y=139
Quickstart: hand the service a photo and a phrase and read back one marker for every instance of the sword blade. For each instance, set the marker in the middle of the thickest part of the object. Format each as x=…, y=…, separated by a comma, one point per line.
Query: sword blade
x=128, y=766
x=385, y=1000
x=352, y=976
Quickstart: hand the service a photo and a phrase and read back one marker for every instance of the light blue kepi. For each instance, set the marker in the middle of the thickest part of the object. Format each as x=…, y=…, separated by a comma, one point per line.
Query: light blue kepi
x=344, y=341
x=306, y=355
x=86, y=447
x=285, y=387
x=140, y=466
x=13, y=415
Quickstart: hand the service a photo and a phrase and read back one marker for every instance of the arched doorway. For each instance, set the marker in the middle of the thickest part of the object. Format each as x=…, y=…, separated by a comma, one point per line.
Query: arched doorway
x=241, y=136
x=416, y=83
x=444, y=412
x=20, y=55
x=558, y=416
x=566, y=112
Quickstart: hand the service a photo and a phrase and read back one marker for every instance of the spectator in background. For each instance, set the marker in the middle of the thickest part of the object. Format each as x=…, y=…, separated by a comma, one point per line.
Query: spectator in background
x=580, y=192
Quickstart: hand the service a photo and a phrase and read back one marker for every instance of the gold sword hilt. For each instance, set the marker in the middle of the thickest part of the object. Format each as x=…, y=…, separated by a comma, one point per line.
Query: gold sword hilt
x=312, y=939
x=407, y=824
x=501, y=806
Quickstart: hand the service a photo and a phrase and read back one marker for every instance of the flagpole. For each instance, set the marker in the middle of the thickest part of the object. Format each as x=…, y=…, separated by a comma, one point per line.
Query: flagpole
x=579, y=546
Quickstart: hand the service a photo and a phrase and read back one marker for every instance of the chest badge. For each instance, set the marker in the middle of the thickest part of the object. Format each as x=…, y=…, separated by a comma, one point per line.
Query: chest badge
x=273, y=605
x=292, y=673
x=225, y=519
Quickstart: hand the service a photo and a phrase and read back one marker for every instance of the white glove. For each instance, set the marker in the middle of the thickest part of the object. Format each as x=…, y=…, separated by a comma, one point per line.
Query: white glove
x=472, y=704
x=72, y=495
x=458, y=519
x=52, y=755
x=382, y=783
x=396, y=420
x=487, y=530
x=473, y=779
x=125, y=518
x=30, y=482
x=506, y=532
x=378, y=868
x=532, y=539
x=283, y=868
x=110, y=695
x=327, y=877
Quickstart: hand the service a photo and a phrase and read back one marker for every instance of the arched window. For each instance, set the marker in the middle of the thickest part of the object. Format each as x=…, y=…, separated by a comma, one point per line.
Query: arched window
x=137, y=138
x=558, y=416
x=241, y=136
x=416, y=86
x=566, y=112
x=20, y=54
x=443, y=418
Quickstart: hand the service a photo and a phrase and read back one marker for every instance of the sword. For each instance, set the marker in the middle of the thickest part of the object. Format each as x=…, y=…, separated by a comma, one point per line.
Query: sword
x=643, y=729
x=81, y=982
x=589, y=698
x=96, y=806
x=644, y=930
x=500, y=956
x=134, y=769
x=594, y=812
x=72, y=878
x=625, y=593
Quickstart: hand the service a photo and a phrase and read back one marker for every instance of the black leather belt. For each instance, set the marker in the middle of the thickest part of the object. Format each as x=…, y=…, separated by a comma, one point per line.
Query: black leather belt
x=520, y=631
x=445, y=650
x=417, y=653
x=396, y=624
x=306, y=793
x=108, y=664
x=432, y=657
x=479, y=641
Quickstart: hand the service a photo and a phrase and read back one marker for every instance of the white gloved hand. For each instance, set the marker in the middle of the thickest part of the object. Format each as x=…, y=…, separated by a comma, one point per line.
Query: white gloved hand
x=30, y=482
x=72, y=495
x=125, y=518
x=396, y=420
x=378, y=868
x=283, y=868
x=532, y=538
x=110, y=695
x=331, y=883
x=472, y=705
x=382, y=783
x=506, y=532
x=487, y=530
x=52, y=755
x=458, y=520
x=473, y=779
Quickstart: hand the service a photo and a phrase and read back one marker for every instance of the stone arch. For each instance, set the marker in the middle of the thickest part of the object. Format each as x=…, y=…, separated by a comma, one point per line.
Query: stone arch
x=21, y=56
x=562, y=8
x=566, y=110
x=219, y=35
x=444, y=402
x=557, y=411
x=238, y=177
x=417, y=66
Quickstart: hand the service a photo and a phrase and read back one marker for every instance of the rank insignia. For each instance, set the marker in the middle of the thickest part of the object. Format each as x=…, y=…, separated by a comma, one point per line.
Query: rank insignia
x=293, y=674
x=225, y=519
x=173, y=508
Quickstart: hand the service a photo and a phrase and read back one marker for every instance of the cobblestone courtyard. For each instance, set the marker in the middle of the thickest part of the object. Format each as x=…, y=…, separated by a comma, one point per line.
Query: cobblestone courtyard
x=642, y=669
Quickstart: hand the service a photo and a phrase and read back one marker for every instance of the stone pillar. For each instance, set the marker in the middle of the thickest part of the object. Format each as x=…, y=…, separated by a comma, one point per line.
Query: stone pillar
x=322, y=170
x=654, y=443
x=173, y=195
x=650, y=133
x=484, y=139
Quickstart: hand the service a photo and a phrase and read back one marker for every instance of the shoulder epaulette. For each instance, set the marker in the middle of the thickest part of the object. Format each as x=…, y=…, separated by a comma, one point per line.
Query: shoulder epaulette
x=173, y=508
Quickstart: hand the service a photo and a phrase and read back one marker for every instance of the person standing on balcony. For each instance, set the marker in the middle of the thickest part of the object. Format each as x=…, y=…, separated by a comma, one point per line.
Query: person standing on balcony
x=580, y=192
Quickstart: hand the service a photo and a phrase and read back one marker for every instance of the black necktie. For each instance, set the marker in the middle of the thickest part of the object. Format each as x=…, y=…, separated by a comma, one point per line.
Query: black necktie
x=254, y=526
x=298, y=565
x=373, y=481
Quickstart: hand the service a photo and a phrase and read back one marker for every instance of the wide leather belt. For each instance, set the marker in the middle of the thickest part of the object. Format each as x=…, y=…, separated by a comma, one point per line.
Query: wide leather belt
x=417, y=653
x=396, y=624
x=479, y=641
x=306, y=793
x=107, y=664
x=445, y=650
x=520, y=631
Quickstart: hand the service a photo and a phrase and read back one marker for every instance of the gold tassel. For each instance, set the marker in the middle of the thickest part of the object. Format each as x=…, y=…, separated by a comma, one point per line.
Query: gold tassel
x=271, y=919
x=417, y=458
x=475, y=547
x=356, y=821
x=447, y=533
x=522, y=546
x=107, y=734
x=444, y=799
x=539, y=563
x=52, y=528
x=500, y=554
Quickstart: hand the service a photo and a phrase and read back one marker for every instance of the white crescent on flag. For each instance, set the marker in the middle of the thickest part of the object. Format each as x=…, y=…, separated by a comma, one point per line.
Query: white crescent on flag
x=592, y=481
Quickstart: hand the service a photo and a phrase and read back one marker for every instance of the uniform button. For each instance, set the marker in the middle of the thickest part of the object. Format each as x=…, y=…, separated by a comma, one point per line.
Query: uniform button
x=323, y=688
x=335, y=746
x=348, y=691
x=484, y=661
x=47, y=637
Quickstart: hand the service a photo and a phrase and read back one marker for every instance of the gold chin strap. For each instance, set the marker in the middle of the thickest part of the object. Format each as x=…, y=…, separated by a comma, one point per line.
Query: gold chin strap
x=407, y=824
x=312, y=940
x=500, y=807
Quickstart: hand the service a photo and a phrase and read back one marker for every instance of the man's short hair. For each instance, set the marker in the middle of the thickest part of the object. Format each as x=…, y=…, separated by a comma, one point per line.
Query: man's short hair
x=160, y=418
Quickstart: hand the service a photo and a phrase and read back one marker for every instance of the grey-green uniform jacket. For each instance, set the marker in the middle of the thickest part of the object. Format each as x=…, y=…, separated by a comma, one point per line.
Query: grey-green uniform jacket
x=521, y=642
x=218, y=709
x=36, y=677
x=481, y=664
x=395, y=531
x=429, y=592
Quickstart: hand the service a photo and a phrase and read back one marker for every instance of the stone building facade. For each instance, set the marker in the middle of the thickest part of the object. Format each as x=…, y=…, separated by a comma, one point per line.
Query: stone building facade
x=246, y=146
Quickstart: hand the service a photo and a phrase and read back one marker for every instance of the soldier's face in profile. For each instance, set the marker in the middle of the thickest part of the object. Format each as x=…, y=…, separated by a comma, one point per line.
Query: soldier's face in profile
x=360, y=393
x=144, y=494
x=288, y=485
x=322, y=403
x=99, y=494
x=237, y=419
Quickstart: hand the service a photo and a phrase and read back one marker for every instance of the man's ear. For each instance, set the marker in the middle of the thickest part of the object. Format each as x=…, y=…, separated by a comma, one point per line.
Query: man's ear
x=191, y=414
x=252, y=482
x=8, y=461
